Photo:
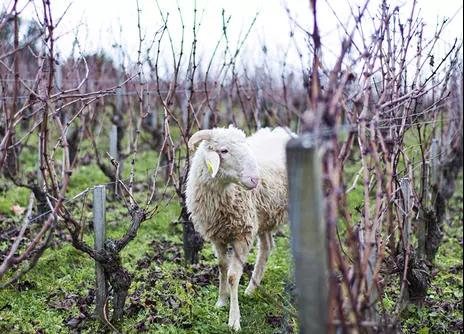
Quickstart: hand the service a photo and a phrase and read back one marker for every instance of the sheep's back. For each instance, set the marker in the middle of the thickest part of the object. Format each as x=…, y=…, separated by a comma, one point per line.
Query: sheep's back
x=268, y=147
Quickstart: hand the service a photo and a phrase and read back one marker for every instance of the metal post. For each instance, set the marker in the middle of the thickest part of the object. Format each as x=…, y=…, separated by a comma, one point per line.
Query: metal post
x=99, y=197
x=309, y=243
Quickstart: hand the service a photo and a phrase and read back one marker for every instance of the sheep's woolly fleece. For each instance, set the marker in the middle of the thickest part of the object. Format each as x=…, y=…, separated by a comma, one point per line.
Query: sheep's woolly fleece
x=224, y=211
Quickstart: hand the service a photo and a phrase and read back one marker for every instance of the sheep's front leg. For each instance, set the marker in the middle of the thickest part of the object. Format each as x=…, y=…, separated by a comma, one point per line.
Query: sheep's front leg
x=237, y=260
x=221, y=253
x=265, y=244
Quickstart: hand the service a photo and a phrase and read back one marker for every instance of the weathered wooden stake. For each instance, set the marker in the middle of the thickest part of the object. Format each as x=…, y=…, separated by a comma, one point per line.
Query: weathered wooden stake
x=309, y=243
x=40, y=178
x=65, y=157
x=404, y=184
x=207, y=118
x=154, y=118
x=421, y=228
x=209, y=113
x=119, y=99
x=114, y=152
x=229, y=109
x=434, y=161
x=99, y=197
x=58, y=73
x=259, y=106
x=114, y=142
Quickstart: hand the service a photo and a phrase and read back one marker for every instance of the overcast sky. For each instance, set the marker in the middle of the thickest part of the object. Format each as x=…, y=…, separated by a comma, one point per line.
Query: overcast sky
x=99, y=24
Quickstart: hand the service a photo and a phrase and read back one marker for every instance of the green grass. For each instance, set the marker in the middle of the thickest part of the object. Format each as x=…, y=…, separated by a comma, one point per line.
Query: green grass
x=165, y=296
x=168, y=297
x=12, y=196
x=172, y=302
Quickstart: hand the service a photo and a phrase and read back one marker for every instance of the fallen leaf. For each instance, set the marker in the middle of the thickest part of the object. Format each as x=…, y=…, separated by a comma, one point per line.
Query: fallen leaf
x=18, y=210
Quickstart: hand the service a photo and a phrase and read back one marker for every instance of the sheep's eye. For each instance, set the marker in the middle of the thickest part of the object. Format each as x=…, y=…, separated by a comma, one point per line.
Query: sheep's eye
x=224, y=151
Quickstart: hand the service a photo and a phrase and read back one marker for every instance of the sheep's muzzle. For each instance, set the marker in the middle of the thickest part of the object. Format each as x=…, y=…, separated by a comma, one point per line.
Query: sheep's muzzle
x=249, y=182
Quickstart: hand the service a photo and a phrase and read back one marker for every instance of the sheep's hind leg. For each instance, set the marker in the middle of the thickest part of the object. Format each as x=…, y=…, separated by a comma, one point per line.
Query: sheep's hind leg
x=221, y=253
x=237, y=261
x=265, y=245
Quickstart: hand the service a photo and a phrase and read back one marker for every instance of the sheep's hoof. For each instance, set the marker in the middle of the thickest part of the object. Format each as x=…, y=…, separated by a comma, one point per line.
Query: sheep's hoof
x=250, y=289
x=234, y=324
x=220, y=303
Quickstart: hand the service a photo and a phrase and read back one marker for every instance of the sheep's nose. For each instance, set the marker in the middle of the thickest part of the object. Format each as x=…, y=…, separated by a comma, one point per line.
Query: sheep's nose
x=250, y=182
x=254, y=181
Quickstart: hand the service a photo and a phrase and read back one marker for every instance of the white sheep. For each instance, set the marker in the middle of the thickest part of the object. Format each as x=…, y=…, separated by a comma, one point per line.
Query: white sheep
x=237, y=190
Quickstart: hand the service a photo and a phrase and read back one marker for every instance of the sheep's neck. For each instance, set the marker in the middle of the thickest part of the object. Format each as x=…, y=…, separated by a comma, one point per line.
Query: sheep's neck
x=224, y=191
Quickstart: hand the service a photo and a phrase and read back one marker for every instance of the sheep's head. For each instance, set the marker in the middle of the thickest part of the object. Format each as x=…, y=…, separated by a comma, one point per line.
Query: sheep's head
x=227, y=156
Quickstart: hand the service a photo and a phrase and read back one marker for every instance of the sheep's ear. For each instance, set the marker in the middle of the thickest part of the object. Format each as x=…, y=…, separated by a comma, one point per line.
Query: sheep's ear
x=197, y=137
x=212, y=161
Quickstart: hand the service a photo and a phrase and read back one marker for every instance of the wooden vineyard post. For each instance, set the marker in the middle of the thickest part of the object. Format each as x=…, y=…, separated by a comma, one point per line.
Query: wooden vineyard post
x=40, y=178
x=309, y=243
x=404, y=184
x=114, y=153
x=406, y=232
x=114, y=142
x=99, y=197
x=434, y=162
x=421, y=228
